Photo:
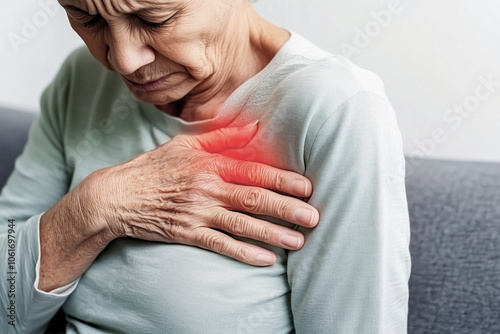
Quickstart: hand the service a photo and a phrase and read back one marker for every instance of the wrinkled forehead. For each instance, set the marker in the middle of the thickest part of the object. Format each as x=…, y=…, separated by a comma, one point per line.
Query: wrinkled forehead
x=119, y=6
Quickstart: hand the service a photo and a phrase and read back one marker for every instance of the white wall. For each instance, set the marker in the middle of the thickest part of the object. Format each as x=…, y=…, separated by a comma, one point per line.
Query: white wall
x=35, y=39
x=432, y=55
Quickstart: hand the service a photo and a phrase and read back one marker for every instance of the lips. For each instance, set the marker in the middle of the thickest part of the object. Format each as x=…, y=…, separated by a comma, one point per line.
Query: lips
x=149, y=85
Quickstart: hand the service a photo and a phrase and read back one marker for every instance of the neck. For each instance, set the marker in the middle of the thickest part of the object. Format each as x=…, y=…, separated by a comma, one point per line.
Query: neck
x=244, y=53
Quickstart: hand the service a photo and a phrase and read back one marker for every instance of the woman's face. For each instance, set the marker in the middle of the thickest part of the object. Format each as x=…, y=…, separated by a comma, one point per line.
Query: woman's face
x=162, y=48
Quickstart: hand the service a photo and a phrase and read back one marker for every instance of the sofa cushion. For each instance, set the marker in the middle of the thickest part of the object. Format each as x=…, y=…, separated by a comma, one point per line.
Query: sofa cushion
x=455, y=246
x=14, y=127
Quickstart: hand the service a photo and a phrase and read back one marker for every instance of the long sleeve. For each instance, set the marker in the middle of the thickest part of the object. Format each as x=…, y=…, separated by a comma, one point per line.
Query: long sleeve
x=352, y=274
x=38, y=181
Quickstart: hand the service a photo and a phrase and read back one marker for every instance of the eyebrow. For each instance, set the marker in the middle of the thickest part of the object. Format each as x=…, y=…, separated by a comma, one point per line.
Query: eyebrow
x=67, y=5
x=74, y=8
x=142, y=11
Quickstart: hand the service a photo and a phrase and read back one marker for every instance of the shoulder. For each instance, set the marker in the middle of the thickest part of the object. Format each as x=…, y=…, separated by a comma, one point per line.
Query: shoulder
x=312, y=86
x=315, y=80
x=330, y=82
x=323, y=97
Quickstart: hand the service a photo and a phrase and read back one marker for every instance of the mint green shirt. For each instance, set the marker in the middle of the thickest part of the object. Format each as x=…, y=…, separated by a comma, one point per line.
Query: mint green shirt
x=320, y=116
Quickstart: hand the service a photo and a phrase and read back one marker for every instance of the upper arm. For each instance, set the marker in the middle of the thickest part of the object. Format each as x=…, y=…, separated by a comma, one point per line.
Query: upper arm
x=40, y=176
x=352, y=274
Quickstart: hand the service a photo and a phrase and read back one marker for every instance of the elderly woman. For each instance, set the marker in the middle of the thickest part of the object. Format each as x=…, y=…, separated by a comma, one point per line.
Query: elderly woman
x=108, y=217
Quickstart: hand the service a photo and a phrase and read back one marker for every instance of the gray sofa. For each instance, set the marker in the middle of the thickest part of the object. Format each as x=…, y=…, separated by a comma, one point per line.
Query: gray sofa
x=455, y=246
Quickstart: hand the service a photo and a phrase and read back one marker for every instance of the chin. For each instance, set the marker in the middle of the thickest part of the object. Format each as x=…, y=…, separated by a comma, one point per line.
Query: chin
x=164, y=95
x=157, y=97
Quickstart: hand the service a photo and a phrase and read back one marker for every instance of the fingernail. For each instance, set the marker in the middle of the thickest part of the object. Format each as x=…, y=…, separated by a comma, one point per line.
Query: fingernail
x=265, y=259
x=291, y=241
x=304, y=216
x=299, y=187
x=251, y=125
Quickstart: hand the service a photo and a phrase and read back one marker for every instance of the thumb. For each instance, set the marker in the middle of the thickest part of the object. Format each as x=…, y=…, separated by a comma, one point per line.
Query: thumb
x=225, y=138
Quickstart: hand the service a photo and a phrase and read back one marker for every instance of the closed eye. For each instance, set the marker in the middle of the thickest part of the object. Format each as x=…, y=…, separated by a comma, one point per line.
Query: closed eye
x=94, y=21
x=154, y=25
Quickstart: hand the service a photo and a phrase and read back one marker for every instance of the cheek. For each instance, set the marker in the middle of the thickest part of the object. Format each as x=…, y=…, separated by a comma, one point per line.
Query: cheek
x=97, y=48
x=189, y=51
x=99, y=51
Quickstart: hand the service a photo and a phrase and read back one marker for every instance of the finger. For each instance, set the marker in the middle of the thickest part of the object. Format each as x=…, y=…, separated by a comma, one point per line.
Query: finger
x=245, y=226
x=260, y=175
x=221, y=243
x=223, y=139
x=265, y=202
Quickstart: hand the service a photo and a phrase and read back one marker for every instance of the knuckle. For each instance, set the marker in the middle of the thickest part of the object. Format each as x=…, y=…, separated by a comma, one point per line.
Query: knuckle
x=205, y=185
x=216, y=164
x=217, y=243
x=251, y=171
x=245, y=253
x=255, y=174
x=199, y=239
x=202, y=184
x=219, y=219
x=250, y=199
x=266, y=234
x=171, y=230
x=279, y=181
x=283, y=208
x=236, y=224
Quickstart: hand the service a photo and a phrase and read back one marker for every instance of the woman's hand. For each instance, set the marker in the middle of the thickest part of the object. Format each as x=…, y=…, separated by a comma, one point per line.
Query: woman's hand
x=182, y=192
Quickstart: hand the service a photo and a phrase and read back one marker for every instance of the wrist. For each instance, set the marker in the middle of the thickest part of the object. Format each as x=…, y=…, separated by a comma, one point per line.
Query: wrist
x=92, y=205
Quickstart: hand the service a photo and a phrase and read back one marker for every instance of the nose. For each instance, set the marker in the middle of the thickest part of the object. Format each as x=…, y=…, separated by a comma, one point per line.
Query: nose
x=127, y=53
